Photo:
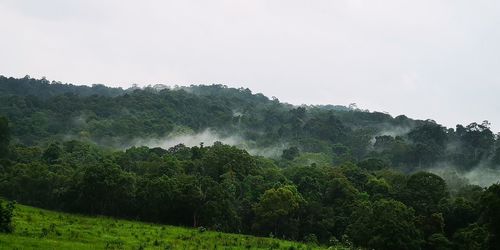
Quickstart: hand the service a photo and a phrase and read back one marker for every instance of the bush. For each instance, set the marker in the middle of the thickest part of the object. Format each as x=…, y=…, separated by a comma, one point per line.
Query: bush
x=6, y=214
x=311, y=239
x=201, y=229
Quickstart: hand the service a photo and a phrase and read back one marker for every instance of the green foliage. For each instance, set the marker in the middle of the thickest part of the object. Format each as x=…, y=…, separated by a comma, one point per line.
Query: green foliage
x=105, y=189
x=290, y=153
x=277, y=208
x=373, y=164
x=224, y=188
x=439, y=242
x=459, y=213
x=52, y=153
x=378, y=187
x=473, y=237
x=41, y=112
x=424, y=191
x=475, y=143
x=6, y=214
x=429, y=143
x=490, y=207
x=4, y=136
x=64, y=146
x=385, y=224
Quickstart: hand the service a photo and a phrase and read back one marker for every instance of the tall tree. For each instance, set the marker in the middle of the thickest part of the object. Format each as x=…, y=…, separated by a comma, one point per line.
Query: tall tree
x=276, y=209
x=385, y=224
x=490, y=206
x=424, y=191
x=4, y=136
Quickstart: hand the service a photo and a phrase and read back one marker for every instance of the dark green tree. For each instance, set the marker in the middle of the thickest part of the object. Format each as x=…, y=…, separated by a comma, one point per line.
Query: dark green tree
x=473, y=237
x=424, y=191
x=52, y=153
x=385, y=224
x=290, y=153
x=276, y=210
x=490, y=207
x=438, y=242
x=459, y=213
x=4, y=136
x=6, y=214
x=105, y=189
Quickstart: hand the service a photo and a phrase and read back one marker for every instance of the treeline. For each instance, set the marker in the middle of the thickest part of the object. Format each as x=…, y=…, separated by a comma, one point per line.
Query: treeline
x=43, y=88
x=221, y=187
x=41, y=112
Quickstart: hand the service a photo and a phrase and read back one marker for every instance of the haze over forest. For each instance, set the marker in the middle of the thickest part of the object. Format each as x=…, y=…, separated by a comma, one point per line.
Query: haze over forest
x=266, y=129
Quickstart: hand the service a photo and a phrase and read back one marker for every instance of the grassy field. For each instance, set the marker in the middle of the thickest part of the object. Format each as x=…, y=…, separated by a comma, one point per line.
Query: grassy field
x=41, y=229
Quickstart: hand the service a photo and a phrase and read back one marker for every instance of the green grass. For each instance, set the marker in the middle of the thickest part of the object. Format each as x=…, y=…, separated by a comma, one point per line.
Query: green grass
x=41, y=229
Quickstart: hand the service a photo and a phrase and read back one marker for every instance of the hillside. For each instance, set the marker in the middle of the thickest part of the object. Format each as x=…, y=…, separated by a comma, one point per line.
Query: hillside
x=233, y=161
x=40, y=112
x=43, y=229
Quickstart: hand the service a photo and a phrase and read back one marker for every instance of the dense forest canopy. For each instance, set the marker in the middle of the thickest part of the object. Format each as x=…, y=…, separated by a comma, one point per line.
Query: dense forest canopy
x=331, y=175
x=41, y=112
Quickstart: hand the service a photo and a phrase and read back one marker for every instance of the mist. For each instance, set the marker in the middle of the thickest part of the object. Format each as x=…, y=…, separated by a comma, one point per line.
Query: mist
x=394, y=131
x=480, y=175
x=190, y=139
x=208, y=137
x=483, y=176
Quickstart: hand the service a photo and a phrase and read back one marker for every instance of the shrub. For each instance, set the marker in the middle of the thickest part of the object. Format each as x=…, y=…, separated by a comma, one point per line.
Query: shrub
x=311, y=239
x=6, y=214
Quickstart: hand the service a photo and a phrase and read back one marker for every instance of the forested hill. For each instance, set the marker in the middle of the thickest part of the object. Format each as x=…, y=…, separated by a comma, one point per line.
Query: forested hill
x=334, y=175
x=41, y=112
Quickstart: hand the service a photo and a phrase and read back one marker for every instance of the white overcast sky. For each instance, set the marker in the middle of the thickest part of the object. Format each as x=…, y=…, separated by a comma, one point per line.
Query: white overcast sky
x=427, y=59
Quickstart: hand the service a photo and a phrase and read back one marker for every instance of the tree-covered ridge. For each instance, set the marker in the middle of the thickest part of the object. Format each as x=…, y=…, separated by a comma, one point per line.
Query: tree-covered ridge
x=115, y=117
x=43, y=88
x=337, y=182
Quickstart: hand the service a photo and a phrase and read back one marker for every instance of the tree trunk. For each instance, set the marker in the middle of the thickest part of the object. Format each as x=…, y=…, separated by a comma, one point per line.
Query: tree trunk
x=194, y=219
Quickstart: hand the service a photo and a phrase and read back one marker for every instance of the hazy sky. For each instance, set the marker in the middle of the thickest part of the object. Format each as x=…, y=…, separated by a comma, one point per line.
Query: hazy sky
x=427, y=59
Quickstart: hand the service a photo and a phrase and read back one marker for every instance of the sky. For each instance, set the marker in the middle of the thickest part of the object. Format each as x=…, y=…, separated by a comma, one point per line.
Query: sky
x=427, y=59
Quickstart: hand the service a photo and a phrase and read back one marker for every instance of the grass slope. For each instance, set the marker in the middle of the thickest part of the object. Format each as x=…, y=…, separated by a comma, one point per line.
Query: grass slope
x=41, y=229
